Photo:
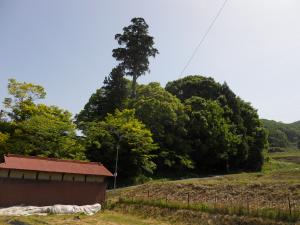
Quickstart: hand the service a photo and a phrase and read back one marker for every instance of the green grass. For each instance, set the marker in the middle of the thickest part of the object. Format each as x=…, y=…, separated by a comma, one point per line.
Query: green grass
x=287, y=153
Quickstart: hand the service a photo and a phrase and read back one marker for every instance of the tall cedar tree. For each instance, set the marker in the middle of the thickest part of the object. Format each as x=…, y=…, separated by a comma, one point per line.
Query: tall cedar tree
x=115, y=86
x=136, y=48
x=112, y=95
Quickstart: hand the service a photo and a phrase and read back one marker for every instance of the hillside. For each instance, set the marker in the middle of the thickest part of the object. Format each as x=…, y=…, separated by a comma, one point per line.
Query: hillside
x=283, y=135
x=268, y=197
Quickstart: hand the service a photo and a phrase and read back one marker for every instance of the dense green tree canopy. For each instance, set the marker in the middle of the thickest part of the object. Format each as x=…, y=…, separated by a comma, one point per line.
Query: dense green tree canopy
x=243, y=120
x=122, y=130
x=211, y=140
x=277, y=138
x=254, y=135
x=164, y=114
x=190, y=86
x=50, y=133
x=37, y=129
x=207, y=128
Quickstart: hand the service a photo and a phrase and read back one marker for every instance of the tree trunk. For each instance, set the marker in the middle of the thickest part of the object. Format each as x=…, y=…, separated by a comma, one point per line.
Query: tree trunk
x=133, y=87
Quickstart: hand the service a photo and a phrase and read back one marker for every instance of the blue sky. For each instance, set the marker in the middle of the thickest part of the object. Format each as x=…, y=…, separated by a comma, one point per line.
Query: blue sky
x=65, y=45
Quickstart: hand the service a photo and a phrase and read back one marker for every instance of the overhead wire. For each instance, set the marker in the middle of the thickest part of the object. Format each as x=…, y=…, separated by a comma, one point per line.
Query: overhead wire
x=204, y=37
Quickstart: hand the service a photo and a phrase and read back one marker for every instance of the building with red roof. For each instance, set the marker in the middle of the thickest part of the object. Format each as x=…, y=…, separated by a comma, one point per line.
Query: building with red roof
x=28, y=180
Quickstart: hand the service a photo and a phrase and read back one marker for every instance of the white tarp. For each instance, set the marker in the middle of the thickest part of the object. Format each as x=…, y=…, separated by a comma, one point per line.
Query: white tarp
x=55, y=209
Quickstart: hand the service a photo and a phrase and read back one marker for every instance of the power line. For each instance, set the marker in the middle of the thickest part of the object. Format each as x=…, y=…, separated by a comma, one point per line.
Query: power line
x=204, y=37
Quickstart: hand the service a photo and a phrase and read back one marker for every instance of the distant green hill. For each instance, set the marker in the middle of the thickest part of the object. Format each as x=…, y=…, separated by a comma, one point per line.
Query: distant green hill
x=282, y=134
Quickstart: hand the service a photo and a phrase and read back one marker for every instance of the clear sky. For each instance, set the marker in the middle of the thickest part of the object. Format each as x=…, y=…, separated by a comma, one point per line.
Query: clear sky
x=65, y=45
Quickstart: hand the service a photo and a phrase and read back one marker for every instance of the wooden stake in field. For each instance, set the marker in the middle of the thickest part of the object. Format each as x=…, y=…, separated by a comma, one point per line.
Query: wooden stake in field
x=215, y=200
x=290, y=207
x=248, y=206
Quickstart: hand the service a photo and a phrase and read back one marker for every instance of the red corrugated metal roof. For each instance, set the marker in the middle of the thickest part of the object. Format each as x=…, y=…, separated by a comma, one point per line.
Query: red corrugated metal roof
x=41, y=164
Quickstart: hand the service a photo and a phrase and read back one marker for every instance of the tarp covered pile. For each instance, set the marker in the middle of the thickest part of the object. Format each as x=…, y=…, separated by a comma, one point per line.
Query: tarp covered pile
x=55, y=209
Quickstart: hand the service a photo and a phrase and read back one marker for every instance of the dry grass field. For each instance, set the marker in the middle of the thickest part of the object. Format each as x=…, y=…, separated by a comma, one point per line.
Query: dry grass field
x=273, y=193
x=271, y=188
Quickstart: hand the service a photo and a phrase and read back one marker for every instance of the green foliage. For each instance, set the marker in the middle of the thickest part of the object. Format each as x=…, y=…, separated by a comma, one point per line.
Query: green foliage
x=164, y=115
x=3, y=138
x=22, y=98
x=113, y=95
x=3, y=142
x=6, y=130
x=37, y=129
x=198, y=124
x=241, y=122
x=49, y=133
x=94, y=109
x=210, y=136
x=116, y=90
x=22, y=91
x=278, y=138
x=255, y=136
x=190, y=86
x=207, y=128
x=136, y=48
x=281, y=134
x=122, y=131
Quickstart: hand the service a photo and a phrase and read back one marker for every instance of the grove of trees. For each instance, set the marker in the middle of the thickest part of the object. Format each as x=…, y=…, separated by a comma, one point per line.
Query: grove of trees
x=282, y=135
x=29, y=128
x=194, y=125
